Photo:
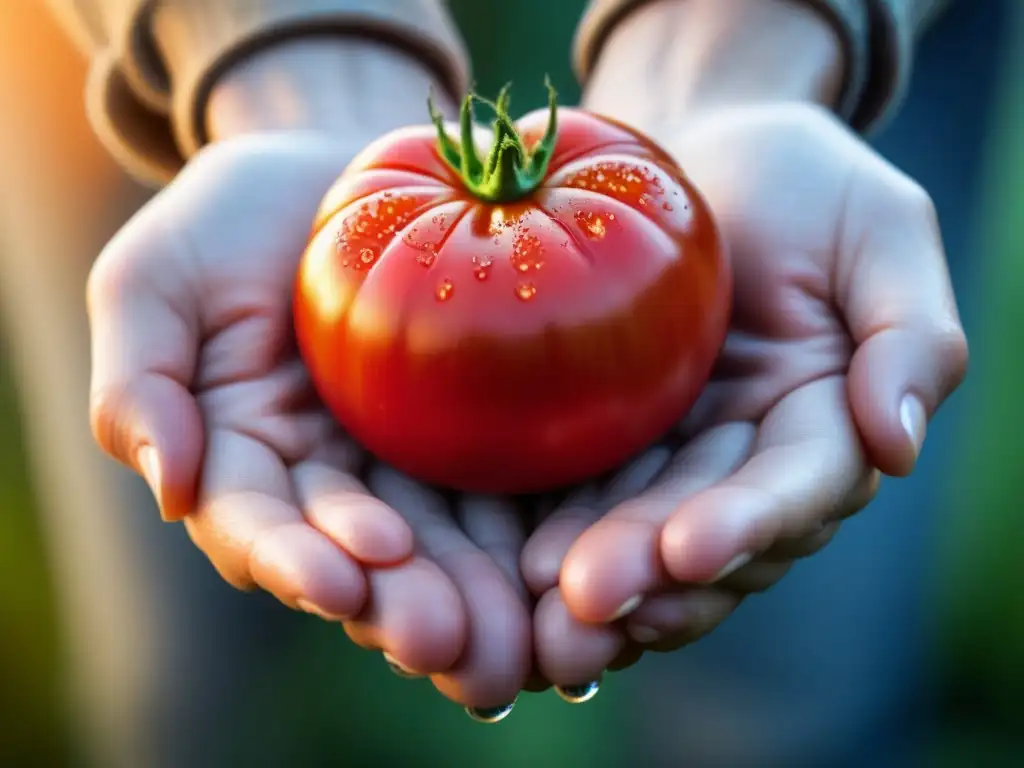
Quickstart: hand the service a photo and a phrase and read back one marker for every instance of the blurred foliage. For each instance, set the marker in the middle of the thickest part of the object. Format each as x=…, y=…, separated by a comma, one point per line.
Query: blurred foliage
x=29, y=659
x=985, y=539
x=984, y=567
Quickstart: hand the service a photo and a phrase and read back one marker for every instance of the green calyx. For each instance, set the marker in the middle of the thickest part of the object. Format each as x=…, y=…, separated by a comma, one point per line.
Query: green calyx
x=510, y=171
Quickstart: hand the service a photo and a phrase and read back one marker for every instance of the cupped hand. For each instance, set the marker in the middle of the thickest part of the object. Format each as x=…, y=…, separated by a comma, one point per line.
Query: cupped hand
x=197, y=385
x=845, y=340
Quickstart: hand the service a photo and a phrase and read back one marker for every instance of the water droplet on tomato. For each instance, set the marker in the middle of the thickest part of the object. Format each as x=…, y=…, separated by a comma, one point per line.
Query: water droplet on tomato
x=592, y=225
x=527, y=252
x=481, y=267
x=620, y=179
x=364, y=233
x=526, y=291
x=444, y=290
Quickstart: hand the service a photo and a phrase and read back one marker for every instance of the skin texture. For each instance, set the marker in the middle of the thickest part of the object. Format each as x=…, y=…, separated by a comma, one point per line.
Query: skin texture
x=844, y=340
x=577, y=324
x=839, y=316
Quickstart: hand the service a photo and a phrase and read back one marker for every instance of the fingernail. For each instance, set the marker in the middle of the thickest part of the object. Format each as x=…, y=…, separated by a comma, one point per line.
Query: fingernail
x=149, y=465
x=396, y=667
x=643, y=635
x=627, y=607
x=914, y=421
x=578, y=694
x=490, y=714
x=316, y=610
x=731, y=567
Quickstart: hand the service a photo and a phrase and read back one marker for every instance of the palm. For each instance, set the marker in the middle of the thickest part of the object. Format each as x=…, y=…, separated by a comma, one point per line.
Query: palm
x=283, y=499
x=787, y=336
x=790, y=191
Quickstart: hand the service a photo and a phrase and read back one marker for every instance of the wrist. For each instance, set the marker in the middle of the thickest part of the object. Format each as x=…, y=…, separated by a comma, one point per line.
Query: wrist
x=330, y=83
x=672, y=59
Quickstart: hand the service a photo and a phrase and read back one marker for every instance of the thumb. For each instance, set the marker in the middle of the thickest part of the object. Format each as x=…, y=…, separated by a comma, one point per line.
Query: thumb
x=144, y=331
x=911, y=348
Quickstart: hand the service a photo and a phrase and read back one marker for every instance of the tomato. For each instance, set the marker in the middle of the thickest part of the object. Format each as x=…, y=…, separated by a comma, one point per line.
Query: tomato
x=517, y=322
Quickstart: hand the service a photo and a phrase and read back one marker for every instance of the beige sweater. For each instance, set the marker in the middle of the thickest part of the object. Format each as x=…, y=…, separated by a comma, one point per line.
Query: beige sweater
x=154, y=62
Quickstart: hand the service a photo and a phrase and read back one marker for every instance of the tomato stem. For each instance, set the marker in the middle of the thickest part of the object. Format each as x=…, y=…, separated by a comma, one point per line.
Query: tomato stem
x=510, y=171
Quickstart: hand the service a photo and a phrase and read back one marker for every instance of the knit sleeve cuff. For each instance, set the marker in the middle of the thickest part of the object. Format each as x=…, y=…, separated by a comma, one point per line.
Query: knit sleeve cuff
x=895, y=27
x=147, y=94
x=877, y=37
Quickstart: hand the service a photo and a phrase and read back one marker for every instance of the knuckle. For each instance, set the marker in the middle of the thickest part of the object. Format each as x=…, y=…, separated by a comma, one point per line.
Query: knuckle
x=953, y=351
x=920, y=202
x=230, y=562
x=108, y=279
x=106, y=405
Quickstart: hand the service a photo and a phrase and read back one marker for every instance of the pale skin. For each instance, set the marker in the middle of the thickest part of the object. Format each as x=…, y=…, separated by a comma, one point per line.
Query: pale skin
x=845, y=341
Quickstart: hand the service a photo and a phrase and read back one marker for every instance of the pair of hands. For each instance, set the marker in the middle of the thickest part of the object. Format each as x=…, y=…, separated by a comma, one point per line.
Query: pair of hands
x=844, y=342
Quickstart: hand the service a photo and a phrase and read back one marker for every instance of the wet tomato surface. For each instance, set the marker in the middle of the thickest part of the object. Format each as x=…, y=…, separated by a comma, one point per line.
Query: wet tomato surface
x=517, y=322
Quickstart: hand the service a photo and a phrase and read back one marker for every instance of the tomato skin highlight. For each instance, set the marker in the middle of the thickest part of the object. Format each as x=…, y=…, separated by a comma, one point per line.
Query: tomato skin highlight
x=513, y=347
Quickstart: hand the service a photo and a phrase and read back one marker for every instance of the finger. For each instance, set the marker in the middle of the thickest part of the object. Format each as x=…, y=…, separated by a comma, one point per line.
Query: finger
x=792, y=548
x=668, y=621
x=340, y=507
x=145, y=337
x=546, y=549
x=484, y=565
x=569, y=652
x=899, y=307
x=807, y=462
x=248, y=525
x=754, y=577
x=416, y=613
x=615, y=562
x=495, y=525
x=630, y=654
x=494, y=658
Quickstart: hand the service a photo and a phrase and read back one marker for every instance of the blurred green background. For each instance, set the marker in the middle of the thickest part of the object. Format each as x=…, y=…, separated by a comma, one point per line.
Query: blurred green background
x=982, y=571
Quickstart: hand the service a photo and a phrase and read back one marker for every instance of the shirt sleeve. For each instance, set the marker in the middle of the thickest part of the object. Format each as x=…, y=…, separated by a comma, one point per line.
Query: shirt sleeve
x=878, y=37
x=153, y=63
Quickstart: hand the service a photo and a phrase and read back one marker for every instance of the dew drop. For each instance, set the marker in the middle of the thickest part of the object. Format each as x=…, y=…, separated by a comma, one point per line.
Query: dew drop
x=481, y=267
x=526, y=291
x=591, y=224
x=527, y=252
x=444, y=290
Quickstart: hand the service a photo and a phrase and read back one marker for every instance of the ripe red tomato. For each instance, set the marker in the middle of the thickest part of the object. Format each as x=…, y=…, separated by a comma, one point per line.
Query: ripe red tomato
x=514, y=323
